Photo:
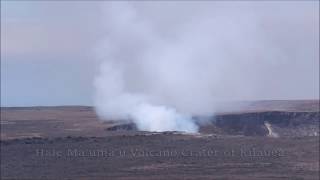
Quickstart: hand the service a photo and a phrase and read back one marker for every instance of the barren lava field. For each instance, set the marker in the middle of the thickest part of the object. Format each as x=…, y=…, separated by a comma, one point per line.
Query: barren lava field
x=267, y=140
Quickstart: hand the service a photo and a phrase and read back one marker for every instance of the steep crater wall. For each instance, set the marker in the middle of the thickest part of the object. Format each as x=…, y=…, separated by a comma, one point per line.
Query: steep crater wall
x=271, y=123
x=256, y=124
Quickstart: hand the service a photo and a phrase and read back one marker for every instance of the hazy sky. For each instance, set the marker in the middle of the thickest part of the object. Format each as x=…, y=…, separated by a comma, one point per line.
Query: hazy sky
x=48, y=49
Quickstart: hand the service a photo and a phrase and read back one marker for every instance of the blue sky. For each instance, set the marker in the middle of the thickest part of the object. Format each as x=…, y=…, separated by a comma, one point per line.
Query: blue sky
x=48, y=48
x=46, y=53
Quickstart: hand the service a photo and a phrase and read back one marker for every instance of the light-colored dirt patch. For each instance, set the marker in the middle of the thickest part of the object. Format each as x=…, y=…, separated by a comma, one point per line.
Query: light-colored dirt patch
x=271, y=133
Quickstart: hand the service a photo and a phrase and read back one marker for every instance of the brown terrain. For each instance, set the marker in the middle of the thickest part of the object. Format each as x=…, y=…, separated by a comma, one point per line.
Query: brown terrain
x=260, y=140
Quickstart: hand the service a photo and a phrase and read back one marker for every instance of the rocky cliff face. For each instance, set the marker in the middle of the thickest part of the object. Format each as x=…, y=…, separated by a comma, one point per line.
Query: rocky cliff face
x=261, y=123
x=271, y=123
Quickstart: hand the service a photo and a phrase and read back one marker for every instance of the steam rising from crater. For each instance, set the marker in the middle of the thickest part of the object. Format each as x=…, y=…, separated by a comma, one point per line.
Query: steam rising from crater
x=161, y=63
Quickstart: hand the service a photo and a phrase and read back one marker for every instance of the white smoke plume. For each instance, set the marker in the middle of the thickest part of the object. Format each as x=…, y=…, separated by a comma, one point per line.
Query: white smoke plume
x=162, y=63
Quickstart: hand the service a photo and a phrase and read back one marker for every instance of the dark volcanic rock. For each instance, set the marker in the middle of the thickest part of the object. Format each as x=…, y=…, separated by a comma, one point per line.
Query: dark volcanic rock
x=121, y=127
x=253, y=124
x=289, y=124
